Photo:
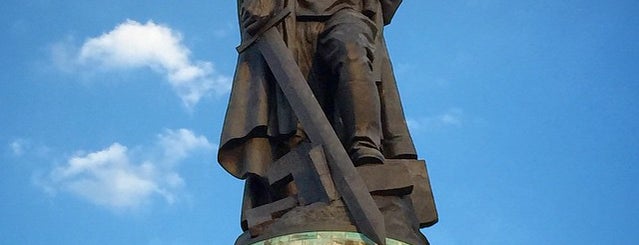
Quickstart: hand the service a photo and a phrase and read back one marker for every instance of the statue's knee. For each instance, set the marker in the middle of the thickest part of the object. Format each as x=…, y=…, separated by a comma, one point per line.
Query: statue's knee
x=347, y=53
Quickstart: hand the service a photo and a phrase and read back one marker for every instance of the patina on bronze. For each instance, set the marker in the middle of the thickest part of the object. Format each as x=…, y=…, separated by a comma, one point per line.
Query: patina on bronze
x=314, y=109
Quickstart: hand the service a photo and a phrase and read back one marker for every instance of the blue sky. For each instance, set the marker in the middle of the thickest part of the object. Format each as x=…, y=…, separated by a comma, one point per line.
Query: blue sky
x=526, y=112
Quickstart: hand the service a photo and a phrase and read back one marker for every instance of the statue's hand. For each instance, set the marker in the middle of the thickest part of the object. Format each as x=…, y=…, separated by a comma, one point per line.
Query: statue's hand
x=255, y=14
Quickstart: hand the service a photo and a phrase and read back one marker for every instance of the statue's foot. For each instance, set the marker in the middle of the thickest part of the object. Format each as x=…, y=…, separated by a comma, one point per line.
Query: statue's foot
x=366, y=155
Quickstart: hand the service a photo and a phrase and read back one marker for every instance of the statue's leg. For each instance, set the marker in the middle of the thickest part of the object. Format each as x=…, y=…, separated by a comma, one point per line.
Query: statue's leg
x=347, y=46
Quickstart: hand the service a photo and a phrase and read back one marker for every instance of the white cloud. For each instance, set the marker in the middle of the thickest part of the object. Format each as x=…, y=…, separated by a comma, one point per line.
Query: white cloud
x=18, y=147
x=177, y=144
x=452, y=117
x=133, y=45
x=108, y=178
x=413, y=124
x=21, y=147
x=119, y=178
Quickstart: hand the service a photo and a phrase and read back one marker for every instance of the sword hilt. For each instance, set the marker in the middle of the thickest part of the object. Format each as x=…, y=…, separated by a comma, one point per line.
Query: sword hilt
x=285, y=12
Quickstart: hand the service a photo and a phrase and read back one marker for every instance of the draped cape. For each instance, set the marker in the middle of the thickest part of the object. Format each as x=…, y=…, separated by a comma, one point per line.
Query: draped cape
x=259, y=117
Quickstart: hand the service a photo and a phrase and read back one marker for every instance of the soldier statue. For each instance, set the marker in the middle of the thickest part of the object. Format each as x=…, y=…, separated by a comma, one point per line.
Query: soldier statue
x=338, y=48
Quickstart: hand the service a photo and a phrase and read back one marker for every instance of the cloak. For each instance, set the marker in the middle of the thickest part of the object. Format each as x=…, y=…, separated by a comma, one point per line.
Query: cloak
x=260, y=125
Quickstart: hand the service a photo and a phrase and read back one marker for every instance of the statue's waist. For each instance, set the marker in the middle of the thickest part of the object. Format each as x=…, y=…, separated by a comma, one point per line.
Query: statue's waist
x=316, y=8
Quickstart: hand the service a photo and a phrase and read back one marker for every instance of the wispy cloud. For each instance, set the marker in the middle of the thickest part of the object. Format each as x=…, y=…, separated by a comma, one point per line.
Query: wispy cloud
x=117, y=177
x=20, y=147
x=453, y=117
x=178, y=144
x=132, y=45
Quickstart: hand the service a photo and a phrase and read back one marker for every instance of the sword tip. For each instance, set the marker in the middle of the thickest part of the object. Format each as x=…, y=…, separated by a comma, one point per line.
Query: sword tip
x=374, y=231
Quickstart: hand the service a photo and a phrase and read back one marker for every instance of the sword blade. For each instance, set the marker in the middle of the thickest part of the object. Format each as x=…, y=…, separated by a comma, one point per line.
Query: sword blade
x=367, y=216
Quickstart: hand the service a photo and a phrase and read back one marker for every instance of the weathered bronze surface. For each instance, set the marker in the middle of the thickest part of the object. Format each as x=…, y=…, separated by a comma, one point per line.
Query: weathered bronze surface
x=316, y=127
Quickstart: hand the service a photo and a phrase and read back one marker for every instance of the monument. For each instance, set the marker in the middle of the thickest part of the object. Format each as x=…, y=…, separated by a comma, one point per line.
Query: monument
x=316, y=128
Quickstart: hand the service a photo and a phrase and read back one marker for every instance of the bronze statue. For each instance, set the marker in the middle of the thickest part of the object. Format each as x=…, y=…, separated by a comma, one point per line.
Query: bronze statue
x=315, y=124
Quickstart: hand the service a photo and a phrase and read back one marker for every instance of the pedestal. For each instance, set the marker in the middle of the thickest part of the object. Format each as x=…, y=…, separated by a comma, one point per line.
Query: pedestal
x=325, y=238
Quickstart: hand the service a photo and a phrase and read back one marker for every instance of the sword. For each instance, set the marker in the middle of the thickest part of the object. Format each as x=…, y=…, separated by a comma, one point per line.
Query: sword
x=367, y=216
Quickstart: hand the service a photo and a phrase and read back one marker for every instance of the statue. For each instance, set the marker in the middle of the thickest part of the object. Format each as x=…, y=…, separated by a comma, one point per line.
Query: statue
x=315, y=125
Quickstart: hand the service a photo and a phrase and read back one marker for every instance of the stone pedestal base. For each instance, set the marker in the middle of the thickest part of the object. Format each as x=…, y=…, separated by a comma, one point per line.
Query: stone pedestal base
x=297, y=195
x=321, y=218
x=325, y=238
